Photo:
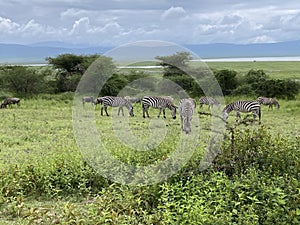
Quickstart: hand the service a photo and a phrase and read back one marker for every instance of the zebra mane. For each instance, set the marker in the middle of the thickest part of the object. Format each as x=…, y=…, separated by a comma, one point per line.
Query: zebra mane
x=228, y=108
x=127, y=104
x=170, y=105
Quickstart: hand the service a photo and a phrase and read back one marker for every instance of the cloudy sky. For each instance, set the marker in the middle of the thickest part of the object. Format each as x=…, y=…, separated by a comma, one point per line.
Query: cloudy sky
x=116, y=22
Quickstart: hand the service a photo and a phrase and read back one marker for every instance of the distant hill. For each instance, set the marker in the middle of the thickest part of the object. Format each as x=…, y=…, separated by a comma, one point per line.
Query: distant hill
x=291, y=48
x=36, y=53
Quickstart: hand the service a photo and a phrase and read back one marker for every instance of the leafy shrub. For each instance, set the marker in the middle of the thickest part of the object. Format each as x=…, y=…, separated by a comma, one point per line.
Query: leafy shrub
x=245, y=89
x=227, y=80
x=259, y=149
x=22, y=80
x=278, y=88
x=214, y=198
x=56, y=177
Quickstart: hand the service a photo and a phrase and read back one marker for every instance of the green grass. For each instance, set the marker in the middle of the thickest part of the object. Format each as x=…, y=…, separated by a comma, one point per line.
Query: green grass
x=276, y=70
x=46, y=180
x=40, y=162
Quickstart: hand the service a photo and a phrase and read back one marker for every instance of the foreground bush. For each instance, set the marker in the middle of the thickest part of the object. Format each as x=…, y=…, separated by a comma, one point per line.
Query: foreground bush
x=254, y=180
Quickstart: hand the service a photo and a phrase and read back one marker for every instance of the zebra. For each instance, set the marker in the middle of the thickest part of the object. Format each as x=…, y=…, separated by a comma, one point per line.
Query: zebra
x=170, y=98
x=10, y=101
x=114, y=102
x=210, y=101
x=158, y=102
x=268, y=101
x=186, y=109
x=132, y=99
x=88, y=99
x=243, y=106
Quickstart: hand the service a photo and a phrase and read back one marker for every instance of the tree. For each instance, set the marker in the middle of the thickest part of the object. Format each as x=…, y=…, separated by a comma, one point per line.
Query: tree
x=22, y=80
x=70, y=69
x=227, y=80
x=114, y=85
x=278, y=88
x=174, y=65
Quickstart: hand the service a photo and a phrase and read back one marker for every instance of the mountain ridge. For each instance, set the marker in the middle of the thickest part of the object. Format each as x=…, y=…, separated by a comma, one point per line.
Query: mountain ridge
x=38, y=52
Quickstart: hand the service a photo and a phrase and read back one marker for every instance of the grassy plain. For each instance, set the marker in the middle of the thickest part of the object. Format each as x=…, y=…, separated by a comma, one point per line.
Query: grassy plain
x=276, y=70
x=45, y=179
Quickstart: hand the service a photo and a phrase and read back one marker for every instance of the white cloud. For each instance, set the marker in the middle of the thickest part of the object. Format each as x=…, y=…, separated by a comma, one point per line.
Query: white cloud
x=6, y=25
x=119, y=21
x=80, y=26
x=173, y=13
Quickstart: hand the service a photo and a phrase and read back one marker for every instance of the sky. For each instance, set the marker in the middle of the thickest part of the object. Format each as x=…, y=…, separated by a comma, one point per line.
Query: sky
x=117, y=22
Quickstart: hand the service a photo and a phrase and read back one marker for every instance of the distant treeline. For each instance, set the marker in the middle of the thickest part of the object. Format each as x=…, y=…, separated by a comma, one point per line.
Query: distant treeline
x=67, y=70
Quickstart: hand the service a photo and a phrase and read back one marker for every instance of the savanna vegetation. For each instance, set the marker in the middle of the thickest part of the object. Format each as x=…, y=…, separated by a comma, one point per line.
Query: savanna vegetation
x=45, y=179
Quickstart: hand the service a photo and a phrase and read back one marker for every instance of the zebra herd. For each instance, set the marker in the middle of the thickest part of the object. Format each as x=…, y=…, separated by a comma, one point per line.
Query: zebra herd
x=186, y=106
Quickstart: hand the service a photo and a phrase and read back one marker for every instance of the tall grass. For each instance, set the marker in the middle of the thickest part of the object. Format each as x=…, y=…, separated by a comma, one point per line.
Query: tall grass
x=44, y=178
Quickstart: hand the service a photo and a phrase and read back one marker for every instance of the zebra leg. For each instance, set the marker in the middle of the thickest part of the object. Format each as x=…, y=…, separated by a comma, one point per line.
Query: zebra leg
x=160, y=109
x=101, y=110
x=181, y=122
x=105, y=109
x=145, y=110
x=164, y=113
x=238, y=116
x=121, y=109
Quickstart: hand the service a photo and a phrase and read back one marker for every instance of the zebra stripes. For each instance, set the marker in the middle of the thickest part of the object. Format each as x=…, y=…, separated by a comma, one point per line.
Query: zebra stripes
x=158, y=102
x=210, y=101
x=132, y=99
x=10, y=101
x=243, y=106
x=114, y=102
x=268, y=101
x=186, y=109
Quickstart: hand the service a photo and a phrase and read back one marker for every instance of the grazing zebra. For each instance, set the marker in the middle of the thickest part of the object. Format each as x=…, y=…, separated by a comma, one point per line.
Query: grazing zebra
x=170, y=98
x=10, y=101
x=114, y=102
x=268, y=101
x=88, y=99
x=132, y=99
x=243, y=106
x=186, y=109
x=158, y=102
x=210, y=101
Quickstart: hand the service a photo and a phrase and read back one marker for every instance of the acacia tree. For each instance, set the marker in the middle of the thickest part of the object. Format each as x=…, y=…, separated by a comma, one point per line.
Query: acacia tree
x=174, y=65
x=22, y=80
x=70, y=69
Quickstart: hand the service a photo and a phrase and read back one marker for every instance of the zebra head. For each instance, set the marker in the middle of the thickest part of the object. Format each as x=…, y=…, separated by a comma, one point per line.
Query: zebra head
x=260, y=100
x=228, y=108
x=276, y=103
x=98, y=101
x=131, y=112
x=173, y=111
x=225, y=115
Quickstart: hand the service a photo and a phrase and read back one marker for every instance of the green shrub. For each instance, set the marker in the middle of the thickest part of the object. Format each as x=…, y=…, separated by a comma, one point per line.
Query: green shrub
x=214, y=198
x=260, y=149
